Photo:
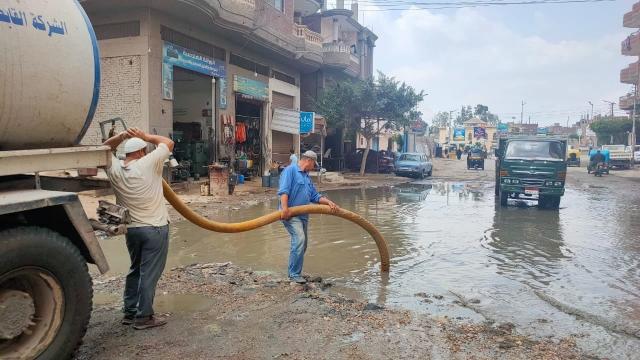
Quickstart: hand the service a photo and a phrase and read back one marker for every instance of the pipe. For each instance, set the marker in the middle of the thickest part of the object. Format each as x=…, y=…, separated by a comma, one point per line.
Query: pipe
x=248, y=225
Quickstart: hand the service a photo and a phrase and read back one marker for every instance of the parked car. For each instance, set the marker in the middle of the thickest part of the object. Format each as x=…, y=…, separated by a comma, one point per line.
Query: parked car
x=636, y=154
x=385, y=161
x=414, y=164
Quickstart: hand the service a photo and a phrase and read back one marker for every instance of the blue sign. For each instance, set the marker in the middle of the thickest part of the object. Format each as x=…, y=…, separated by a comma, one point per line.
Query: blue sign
x=503, y=128
x=307, y=122
x=543, y=131
x=252, y=89
x=178, y=56
x=458, y=134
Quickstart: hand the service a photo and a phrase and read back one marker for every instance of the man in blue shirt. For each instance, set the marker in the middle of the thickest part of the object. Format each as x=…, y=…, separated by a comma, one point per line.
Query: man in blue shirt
x=296, y=189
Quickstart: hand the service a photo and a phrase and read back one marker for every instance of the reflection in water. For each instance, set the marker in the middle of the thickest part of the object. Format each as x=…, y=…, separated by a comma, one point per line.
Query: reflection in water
x=451, y=237
x=526, y=243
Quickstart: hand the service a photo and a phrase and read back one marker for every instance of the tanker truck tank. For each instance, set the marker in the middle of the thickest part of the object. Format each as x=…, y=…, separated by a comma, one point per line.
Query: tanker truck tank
x=49, y=74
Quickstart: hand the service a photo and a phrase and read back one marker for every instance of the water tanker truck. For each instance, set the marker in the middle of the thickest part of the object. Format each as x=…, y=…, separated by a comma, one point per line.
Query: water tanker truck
x=49, y=82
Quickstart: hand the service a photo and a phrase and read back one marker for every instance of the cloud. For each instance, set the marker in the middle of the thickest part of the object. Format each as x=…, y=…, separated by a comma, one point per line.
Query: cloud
x=464, y=57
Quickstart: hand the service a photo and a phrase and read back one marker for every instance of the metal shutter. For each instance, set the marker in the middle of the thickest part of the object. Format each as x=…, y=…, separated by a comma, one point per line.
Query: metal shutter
x=283, y=101
x=281, y=144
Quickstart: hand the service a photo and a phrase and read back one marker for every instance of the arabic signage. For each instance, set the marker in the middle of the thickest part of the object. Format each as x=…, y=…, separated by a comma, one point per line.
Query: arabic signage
x=479, y=133
x=178, y=56
x=458, y=134
x=307, y=122
x=252, y=89
x=167, y=81
x=222, y=93
x=503, y=128
x=285, y=120
x=33, y=21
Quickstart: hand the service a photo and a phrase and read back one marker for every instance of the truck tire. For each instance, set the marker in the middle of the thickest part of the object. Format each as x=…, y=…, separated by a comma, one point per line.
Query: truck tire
x=504, y=198
x=51, y=277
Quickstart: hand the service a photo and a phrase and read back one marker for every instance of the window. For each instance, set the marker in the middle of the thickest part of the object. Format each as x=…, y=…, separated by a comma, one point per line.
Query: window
x=409, y=157
x=283, y=77
x=248, y=65
x=117, y=30
x=278, y=4
x=535, y=150
x=194, y=44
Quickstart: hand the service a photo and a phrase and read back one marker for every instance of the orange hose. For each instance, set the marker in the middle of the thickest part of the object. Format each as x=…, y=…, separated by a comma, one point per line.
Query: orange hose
x=248, y=225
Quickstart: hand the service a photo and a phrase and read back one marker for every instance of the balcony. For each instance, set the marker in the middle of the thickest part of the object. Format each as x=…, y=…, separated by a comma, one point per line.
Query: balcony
x=311, y=38
x=340, y=56
x=626, y=102
x=629, y=75
x=632, y=18
x=631, y=45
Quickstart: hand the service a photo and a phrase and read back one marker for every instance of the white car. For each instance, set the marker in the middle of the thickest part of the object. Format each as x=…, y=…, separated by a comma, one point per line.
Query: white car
x=636, y=154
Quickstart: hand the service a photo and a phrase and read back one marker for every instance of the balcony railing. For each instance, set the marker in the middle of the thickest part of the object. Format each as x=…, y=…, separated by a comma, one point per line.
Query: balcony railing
x=632, y=18
x=310, y=36
x=626, y=102
x=343, y=49
x=631, y=45
x=629, y=75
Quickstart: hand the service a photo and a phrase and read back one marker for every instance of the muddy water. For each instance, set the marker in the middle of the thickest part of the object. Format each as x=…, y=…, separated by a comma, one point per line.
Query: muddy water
x=552, y=273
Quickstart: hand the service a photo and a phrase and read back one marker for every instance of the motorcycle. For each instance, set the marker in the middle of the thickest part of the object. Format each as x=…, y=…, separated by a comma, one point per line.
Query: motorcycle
x=600, y=169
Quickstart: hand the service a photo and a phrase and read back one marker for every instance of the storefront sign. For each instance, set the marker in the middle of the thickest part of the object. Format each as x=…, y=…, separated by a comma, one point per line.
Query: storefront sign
x=479, y=133
x=307, y=122
x=187, y=59
x=254, y=89
x=458, y=134
x=503, y=128
x=167, y=81
x=285, y=120
x=222, y=93
x=174, y=55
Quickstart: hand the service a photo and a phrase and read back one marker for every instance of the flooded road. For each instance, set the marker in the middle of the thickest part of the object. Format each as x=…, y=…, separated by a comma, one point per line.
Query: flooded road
x=551, y=273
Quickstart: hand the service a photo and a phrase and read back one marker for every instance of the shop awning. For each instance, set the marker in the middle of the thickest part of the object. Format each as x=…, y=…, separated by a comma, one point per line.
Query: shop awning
x=285, y=120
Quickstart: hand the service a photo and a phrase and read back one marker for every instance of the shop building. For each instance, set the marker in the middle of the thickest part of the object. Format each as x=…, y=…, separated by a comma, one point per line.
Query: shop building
x=223, y=78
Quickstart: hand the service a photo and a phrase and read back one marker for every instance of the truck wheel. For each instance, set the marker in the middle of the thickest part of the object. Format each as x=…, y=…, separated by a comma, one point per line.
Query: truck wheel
x=45, y=294
x=504, y=198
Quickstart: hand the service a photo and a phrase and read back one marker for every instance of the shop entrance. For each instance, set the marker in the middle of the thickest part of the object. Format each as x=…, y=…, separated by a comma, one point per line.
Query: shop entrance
x=248, y=144
x=192, y=122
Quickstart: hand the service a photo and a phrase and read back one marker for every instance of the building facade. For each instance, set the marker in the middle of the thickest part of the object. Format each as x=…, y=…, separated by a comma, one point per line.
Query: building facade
x=225, y=79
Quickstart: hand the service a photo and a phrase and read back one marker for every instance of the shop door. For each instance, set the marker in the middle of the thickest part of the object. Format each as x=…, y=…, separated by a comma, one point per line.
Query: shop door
x=282, y=143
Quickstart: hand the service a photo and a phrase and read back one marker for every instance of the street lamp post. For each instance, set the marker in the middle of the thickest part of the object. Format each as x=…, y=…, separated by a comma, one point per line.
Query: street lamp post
x=522, y=111
x=612, y=104
x=590, y=103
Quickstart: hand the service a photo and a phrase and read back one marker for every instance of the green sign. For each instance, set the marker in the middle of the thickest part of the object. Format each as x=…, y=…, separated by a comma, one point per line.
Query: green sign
x=251, y=88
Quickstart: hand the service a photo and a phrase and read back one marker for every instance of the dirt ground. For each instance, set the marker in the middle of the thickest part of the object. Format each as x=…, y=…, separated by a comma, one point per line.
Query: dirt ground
x=223, y=311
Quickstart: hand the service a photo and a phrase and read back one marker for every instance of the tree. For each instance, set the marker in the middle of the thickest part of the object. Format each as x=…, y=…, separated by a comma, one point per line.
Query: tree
x=466, y=113
x=613, y=131
x=441, y=119
x=482, y=112
x=370, y=107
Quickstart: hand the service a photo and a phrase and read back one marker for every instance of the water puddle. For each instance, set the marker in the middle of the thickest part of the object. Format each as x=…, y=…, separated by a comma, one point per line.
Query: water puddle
x=470, y=259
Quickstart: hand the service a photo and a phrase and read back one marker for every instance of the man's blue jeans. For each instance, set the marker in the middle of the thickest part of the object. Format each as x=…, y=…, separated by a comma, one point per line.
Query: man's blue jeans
x=297, y=229
x=148, y=247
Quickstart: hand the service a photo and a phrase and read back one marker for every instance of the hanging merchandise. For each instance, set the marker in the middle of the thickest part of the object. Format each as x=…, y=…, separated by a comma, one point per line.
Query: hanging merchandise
x=227, y=128
x=241, y=133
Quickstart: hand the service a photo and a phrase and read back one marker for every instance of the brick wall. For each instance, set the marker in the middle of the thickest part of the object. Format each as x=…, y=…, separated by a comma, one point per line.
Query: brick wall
x=120, y=95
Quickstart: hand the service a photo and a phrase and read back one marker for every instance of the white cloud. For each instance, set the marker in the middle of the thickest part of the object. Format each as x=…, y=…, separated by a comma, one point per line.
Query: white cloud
x=467, y=58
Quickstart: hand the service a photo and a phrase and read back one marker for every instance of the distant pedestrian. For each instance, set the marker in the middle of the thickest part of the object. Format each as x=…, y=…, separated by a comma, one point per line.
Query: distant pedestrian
x=296, y=189
x=137, y=184
x=293, y=159
x=459, y=153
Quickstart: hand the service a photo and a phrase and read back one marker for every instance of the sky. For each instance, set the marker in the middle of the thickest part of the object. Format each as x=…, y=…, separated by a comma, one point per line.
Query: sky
x=554, y=57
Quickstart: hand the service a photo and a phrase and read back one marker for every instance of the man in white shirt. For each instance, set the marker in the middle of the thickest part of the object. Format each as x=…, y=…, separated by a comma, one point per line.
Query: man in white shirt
x=293, y=159
x=137, y=184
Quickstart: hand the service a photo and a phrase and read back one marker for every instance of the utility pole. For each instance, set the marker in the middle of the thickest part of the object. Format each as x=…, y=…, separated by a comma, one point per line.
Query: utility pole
x=611, y=103
x=590, y=103
x=522, y=111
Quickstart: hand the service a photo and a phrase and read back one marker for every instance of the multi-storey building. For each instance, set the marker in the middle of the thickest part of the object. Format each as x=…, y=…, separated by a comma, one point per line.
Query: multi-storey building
x=224, y=78
x=630, y=47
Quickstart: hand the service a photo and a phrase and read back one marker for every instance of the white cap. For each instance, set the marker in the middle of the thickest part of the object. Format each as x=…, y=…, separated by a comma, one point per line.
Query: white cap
x=311, y=155
x=133, y=145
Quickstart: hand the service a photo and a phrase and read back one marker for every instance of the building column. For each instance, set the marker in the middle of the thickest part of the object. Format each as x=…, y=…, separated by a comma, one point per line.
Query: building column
x=266, y=139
